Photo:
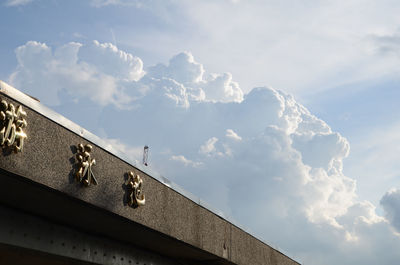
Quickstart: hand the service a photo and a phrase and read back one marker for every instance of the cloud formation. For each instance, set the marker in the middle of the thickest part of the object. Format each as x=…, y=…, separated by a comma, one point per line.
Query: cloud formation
x=64, y=69
x=262, y=158
x=391, y=204
x=106, y=75
x=185, y=70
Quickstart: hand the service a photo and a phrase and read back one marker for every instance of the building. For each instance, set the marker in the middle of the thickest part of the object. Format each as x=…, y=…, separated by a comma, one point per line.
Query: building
x=67, y=197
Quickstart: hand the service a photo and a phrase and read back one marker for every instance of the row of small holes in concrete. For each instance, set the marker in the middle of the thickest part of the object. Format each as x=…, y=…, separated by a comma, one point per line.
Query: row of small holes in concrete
x=74, y=247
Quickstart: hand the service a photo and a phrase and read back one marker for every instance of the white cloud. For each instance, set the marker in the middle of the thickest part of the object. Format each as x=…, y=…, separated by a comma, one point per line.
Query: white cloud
x=109, y=59
x=310, y=144
x=208, y=148
x=185, y=161
x=95, y=71
x=182, y=68
x=134, y=153
x=232, y=135
x=185, y=70
x=262, y=158
x=17, y=2
x=222, y=88
x=105, y=74
x=391, y=204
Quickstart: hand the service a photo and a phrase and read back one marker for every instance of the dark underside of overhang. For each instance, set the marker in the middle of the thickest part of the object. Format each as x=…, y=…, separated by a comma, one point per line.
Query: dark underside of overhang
x=10, y=255
x=24, y=195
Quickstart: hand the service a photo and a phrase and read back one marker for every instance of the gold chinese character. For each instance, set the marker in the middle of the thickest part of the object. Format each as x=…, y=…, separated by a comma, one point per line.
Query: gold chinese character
x=13, y=123
x=85, y=174
x=135, y=193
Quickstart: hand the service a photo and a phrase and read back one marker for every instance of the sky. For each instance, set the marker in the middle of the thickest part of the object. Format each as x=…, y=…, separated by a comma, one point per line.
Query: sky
x=282, y=114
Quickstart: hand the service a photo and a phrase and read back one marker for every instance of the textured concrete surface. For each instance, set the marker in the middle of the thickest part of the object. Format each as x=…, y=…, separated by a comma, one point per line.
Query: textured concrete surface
x=41, y=180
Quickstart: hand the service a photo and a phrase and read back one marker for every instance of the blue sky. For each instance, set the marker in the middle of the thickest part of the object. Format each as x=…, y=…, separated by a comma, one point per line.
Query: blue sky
x=319, y=143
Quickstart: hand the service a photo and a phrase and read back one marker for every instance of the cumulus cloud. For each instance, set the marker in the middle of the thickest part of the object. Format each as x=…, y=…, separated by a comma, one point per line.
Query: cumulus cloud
x=262, y=157
x=311, y=144
x=230, y=90
x=95, y=71
x=185, y=70
x=120, y=64
x=105, y=74
x=391, y=204
x=182, y=68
